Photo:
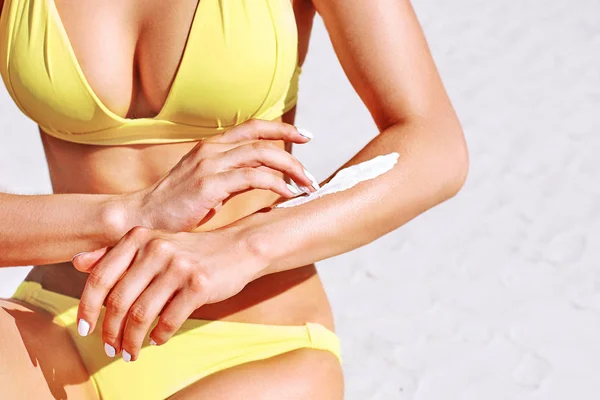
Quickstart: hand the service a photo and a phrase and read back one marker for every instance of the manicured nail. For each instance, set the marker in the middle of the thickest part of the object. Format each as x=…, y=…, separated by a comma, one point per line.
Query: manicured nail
x=305, y=133
x=109, y=350
x=152, y=342
x=302, y=189
x=77, y=255
x=293, y=189
x=313, y=181
x=83, y=327
x=126, y=356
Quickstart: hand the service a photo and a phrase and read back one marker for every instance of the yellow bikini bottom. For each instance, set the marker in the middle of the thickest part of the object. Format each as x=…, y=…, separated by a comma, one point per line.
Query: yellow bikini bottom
x=198, y=349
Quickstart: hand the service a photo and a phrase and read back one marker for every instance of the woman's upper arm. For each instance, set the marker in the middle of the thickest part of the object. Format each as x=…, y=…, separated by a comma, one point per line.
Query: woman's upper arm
x=384, y=53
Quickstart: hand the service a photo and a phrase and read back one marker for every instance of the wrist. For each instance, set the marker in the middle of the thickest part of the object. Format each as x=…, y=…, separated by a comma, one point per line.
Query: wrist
x=256, y=244
x=119, y=214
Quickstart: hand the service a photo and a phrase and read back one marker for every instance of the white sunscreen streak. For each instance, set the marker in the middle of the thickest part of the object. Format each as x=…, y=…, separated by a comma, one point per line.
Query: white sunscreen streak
x=348, y=177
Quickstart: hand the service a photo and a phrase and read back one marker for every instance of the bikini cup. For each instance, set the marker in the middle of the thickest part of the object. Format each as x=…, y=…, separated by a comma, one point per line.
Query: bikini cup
x=239, y=62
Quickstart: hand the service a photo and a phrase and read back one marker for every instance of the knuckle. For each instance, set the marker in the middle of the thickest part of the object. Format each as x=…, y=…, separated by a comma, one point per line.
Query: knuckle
x=115, y=302
x=137, y=233
x=289, y=128
x=159, y=245
x=204, y=165
x=86, y=309
x=202, y=184
x=254, y=123
x=209, y=194
x=197, y=282
x=249, y=174
x=168, y=325
x=269, y=146
x=180, y=265
x=257, y=146
x=270, y=181
x=138, y=314
x=206, y=189
x=96, y=279
x=110, y=337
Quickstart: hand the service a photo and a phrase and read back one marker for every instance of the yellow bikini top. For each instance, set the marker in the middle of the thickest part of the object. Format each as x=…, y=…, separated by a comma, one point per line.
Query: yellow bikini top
x=240, y=62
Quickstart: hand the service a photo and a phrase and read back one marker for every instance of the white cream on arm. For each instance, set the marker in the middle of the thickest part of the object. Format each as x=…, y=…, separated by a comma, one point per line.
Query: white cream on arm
x=348, y=177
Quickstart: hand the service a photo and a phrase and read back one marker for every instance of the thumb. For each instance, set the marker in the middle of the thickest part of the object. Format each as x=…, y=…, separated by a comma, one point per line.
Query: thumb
x=86, y=261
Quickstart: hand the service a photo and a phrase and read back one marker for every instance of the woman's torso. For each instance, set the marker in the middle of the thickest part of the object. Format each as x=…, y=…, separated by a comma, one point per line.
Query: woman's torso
x=139, y=88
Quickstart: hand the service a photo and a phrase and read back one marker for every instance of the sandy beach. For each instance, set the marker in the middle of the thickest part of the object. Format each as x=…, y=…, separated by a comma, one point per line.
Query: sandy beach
x=494, y=294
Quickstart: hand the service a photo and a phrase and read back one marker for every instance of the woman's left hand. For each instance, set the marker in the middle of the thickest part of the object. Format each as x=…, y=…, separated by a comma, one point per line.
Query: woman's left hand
x=151, y=272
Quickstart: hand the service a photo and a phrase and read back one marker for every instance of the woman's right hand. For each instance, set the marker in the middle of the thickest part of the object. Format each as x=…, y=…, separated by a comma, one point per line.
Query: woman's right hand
x=217, y=169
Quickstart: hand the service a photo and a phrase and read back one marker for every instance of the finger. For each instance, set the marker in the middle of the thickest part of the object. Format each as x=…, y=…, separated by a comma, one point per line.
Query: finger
x=175, y=314
x=104, y=276
x=268, y=154
x=256, y=129
x=121, y=299
x=211, y=213
x=210, y=146
x=85, y=261
x=238, y=180
x=143, y=313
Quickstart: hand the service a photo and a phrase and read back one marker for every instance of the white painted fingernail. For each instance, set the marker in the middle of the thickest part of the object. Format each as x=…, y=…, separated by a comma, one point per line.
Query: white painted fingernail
x=77, y=255
x=109, y=350
x=293, y=189
x=305, y=189
x=305, y=133
x=314, y=182
x=152, y=342
x=294, y=184
x=83, y=327
x=126, y=356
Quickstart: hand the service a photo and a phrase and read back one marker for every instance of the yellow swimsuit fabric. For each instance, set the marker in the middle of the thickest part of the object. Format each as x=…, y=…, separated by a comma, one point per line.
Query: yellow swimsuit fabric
x=198, y=349
x=239, y=62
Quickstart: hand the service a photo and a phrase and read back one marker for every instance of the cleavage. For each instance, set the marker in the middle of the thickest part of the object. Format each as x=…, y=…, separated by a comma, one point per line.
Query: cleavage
x=128, y=51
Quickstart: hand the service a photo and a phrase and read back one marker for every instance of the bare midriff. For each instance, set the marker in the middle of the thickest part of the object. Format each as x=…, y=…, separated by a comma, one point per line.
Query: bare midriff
x=291, y=297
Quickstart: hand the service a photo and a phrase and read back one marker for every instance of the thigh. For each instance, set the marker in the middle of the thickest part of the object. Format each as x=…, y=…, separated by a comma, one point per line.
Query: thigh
x=297, y=375
x=38, y=358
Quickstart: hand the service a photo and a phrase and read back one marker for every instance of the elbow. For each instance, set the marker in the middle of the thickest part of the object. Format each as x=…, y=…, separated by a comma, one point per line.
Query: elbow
x=455, y=167
x=440, y=149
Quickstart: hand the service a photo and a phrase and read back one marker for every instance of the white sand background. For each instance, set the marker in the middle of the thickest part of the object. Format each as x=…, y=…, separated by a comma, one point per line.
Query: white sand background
x=496, y=293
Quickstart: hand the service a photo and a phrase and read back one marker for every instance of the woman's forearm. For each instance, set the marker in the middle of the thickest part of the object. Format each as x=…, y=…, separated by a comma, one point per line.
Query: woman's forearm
x=44, y=229
x=432, y=167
